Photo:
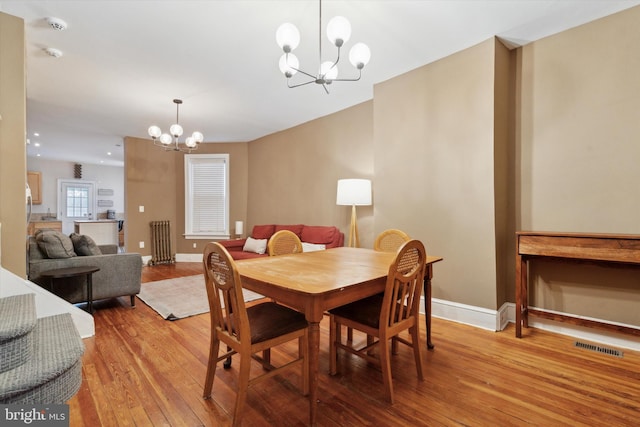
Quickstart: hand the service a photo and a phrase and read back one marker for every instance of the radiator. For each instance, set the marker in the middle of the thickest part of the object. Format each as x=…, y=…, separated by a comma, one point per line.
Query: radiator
x=161, y=242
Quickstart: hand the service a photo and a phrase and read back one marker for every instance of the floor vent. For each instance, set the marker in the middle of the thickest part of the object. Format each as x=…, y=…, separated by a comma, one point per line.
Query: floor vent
x=597, y=348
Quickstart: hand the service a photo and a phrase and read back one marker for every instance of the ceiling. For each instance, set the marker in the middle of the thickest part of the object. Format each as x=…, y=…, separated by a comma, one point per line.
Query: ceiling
x=124, y=62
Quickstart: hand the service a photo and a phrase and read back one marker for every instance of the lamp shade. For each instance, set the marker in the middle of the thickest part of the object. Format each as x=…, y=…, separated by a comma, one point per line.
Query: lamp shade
x=356, y=192
x=239, y=227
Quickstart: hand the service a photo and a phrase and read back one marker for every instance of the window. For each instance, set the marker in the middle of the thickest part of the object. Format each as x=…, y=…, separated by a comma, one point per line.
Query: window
x=206, y=196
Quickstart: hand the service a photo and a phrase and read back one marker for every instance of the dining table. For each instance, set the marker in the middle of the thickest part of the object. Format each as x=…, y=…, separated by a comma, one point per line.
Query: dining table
x=314, y=282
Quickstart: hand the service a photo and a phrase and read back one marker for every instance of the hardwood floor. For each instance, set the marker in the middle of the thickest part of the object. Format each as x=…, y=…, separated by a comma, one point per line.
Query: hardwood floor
x=142, y=370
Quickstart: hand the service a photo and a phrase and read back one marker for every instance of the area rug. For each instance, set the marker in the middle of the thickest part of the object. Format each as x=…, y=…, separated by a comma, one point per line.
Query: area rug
x=182, y=297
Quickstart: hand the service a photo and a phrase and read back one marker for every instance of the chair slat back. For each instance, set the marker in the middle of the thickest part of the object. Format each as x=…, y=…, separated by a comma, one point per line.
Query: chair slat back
x=224, y=291
x=404, y=284
x=390, y=240
x=284, y=242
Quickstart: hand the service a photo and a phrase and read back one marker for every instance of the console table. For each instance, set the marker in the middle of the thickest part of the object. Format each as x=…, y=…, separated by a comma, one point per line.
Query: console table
x=614, y=249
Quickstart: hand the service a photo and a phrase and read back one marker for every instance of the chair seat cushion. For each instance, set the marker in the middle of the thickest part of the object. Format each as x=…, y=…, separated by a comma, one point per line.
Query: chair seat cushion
x=365, y=311
x=269, y=320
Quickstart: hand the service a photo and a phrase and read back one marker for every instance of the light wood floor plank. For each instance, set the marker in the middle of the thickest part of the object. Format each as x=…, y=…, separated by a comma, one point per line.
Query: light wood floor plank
x=142, y=370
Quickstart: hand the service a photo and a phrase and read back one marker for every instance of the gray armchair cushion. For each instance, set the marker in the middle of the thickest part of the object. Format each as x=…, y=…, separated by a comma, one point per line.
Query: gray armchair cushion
x=54, y=244
x=84, y=245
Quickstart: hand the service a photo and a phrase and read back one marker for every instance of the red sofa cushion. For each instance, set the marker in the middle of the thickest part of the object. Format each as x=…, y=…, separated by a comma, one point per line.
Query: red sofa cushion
x=297, y=229
x=263, y=231
x=319, y=234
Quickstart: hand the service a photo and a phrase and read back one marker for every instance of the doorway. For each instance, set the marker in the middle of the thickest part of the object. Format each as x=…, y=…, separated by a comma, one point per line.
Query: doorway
x=76, y=201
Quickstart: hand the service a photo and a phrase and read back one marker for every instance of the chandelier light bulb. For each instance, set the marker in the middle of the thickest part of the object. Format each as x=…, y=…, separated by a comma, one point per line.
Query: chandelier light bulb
x=176, y=130
x=288, y=37
x=190, y=142
x=165, y=138
x=359, y=55
x=328, y=71
x=339, y=30
x=154, y=132
x=198, y=137
x=288, y=64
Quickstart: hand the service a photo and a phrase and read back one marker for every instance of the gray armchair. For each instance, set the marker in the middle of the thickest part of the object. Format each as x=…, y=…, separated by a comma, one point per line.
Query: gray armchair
x=119, y=275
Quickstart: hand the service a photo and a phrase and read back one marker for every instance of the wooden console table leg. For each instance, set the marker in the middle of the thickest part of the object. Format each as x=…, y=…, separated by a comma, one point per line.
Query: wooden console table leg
x=521, y=295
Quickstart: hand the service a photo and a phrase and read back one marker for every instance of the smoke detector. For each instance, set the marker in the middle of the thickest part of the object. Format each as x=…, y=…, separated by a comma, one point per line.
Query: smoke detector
x=56, y=53
x=57, y=24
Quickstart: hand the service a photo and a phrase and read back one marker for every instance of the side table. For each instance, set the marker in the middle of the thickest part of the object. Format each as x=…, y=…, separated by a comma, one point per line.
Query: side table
x=64, y=273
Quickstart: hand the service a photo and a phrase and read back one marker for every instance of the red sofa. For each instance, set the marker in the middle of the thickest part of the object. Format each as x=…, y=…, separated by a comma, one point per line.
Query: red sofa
x=329, y=236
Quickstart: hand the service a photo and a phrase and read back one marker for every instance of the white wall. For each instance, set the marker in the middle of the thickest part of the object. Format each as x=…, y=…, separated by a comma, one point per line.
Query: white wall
x=109, y=177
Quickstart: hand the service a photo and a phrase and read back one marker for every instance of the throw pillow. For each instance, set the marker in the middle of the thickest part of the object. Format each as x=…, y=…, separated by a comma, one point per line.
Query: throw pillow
x=84, y=245
x=311, y=247
x=258, y=246
x=54, y=244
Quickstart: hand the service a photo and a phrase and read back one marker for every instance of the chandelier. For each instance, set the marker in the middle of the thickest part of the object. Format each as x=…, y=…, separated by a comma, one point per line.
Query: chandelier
x=169, y=142
x=338, y=32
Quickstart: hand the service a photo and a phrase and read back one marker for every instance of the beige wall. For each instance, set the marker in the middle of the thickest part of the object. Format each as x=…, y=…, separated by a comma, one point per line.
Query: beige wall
x=434, y=168
x=155, y=179
x=293, y=175
x=13, y=159
x=578, y=157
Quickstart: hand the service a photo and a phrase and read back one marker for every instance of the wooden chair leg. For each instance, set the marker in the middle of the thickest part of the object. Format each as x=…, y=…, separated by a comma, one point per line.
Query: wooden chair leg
x=370, y=340
x=227, y=362
x=415, y=341
x=266, y=356
x=211, y=367
x=243, y=385
x=385, y=366
x=334, y=338
x=349, y=334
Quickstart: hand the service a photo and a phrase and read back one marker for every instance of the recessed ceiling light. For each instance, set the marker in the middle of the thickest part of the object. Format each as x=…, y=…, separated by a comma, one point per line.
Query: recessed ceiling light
x=108, y=153
x=36, y=134
x=38, y=155
x=37, y=144
x=56, y=23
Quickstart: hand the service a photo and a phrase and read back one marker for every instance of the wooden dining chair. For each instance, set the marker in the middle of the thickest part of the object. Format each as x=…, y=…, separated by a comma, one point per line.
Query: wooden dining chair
x=385, y=316
x=390, y=240
x=247, y=331
x=387, y=241
x=284, y=242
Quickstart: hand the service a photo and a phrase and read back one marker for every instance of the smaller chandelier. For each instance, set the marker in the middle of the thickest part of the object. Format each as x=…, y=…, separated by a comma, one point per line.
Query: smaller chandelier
x=169, y=142
x=338, y=32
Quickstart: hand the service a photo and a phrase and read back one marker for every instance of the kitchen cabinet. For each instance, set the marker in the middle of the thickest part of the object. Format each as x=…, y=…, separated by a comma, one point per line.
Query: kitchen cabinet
x=43, y=225
x=34, y=179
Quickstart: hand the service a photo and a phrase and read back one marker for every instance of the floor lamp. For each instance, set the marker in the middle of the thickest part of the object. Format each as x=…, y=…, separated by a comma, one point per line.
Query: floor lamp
x=354, y=192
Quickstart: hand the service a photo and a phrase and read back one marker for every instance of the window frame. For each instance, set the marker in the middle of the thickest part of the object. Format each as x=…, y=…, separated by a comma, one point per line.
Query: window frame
x=190, y=160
